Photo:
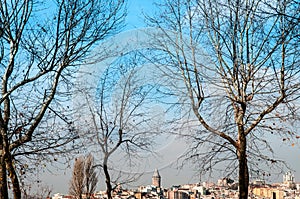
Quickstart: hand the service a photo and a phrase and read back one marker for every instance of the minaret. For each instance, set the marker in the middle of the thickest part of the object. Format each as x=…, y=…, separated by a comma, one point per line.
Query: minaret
x=156, y=178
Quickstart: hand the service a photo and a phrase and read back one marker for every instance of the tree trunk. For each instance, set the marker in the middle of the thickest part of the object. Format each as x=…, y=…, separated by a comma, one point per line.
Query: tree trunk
x=3, y=178
x=243, y=169
x=107, y=179
x=14, y=178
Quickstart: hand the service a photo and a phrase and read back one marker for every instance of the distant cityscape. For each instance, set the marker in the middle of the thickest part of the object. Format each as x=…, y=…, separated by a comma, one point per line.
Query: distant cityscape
x=224, y=188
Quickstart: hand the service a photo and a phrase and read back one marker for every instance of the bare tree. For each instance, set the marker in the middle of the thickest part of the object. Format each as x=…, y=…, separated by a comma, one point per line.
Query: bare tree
x=116, y=118
x=84, y=178
x=43, y=191
x=91, y=178
x=77, y=183
x=239, y=64
x=41, y=43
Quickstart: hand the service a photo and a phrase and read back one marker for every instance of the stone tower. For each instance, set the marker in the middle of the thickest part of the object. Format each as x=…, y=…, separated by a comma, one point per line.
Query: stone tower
x=156, y=178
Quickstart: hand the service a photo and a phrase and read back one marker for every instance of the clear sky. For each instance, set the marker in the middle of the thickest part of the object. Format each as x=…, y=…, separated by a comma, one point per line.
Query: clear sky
x=173, y=148
x=136, y=8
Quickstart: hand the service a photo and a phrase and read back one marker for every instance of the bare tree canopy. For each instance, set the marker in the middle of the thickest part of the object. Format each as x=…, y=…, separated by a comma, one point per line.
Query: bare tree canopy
x=116, y=116
x=238, y=62
x=84, y=177
x=40, y=45
x=78, y=177
x=91, y=178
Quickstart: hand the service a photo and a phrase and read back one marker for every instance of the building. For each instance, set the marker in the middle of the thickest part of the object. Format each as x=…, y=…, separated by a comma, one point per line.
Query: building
x=61, y=196
x=178, y=194
x=153, y=191
x=289, y=180
x=156, y=179
x=288, y=177
x=267, y=192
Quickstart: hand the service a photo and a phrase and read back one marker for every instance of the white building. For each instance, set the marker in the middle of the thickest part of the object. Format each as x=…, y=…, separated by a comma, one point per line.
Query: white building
x=288, y=177
x=58, y=196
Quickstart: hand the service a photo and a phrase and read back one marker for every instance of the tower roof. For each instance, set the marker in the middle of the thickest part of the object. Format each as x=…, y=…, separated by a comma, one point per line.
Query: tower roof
x=156, y=173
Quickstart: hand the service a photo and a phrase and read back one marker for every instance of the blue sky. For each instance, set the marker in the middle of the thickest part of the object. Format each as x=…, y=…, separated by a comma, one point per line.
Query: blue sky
x=136, y=8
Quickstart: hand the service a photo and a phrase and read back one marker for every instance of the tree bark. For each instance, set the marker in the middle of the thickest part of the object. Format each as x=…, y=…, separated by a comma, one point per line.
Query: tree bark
x=243, y=168
x=107, y=179
x=3, y=178
x=14, y=178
